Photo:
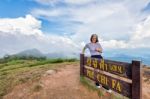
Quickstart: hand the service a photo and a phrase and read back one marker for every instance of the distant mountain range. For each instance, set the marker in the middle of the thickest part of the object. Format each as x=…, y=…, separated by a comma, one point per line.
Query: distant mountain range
x=127, y=58
x=118, y=57
x=30, y=52
x=36, y=53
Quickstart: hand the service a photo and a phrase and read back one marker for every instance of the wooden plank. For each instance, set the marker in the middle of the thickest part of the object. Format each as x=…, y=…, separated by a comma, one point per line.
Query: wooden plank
x=116, y=85
x=136, y=80
x=81, y=64
x=119, y=68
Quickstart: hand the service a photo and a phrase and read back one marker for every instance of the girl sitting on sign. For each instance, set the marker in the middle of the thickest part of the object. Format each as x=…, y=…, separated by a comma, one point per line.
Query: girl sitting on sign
x=95, y=51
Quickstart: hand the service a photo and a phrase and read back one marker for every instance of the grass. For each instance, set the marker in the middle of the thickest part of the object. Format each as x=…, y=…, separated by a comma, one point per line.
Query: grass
x=16, y=72
x=89, y=84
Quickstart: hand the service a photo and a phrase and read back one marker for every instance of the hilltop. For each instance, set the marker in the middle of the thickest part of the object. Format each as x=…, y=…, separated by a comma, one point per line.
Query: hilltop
x=57, y=78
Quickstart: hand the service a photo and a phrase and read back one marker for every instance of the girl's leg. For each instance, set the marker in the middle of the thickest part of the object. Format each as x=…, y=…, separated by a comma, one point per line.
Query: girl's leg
x=97, y=83
x=97, y=56
x=106, y=87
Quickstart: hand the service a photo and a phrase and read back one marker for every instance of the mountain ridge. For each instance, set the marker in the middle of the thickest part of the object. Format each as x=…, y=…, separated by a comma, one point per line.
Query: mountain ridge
x=118, y=57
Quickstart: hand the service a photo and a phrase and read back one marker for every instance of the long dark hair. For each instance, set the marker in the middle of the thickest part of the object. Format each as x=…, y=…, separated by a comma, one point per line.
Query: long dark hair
x=96, y=37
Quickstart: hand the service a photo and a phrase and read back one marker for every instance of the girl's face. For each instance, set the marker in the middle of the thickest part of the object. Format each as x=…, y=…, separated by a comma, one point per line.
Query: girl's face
x=94, y=39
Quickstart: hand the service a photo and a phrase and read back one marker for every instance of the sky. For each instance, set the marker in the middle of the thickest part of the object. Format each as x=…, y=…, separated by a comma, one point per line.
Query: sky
x=65, y=26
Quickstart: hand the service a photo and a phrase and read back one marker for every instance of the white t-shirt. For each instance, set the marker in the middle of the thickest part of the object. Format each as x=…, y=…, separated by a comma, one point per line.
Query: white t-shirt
x=92, y=47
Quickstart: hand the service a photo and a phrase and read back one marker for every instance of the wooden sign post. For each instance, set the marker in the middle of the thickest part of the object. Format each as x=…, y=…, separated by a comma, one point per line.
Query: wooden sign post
x=82, y=64
x=136, y=80
x=98, y=70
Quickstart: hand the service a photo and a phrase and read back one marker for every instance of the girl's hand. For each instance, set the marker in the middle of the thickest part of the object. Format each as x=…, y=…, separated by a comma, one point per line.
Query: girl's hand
x=98, y=50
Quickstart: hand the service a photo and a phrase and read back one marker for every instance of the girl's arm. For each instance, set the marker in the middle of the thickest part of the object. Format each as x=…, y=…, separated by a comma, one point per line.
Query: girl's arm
x=86, y=46
x=83, y=50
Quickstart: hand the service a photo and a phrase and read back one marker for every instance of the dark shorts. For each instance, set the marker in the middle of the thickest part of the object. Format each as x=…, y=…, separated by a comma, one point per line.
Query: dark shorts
x=97, y=56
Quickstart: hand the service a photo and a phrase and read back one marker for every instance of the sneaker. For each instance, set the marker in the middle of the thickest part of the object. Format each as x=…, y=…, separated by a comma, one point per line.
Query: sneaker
x=98, y=86
x=109, y=91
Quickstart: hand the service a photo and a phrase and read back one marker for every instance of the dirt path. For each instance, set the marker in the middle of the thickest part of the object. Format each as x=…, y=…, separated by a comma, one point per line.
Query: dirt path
x=146, y=90
x=64, y=84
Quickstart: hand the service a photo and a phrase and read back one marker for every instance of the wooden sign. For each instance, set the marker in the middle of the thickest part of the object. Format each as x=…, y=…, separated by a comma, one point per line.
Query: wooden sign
x=116, y=85
x=120, y=68
x=131, y=71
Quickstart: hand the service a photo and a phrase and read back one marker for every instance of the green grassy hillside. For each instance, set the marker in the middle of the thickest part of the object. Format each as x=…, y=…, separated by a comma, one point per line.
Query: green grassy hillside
x=19, y=71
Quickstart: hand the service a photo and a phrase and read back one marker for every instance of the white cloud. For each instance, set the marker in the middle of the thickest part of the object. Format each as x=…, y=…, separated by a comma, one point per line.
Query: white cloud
x=43, y=12
x=118, y=25
x=114, y=44
x=72, y=2
x=79, y=2
x=47, y=2
x=141, y=36
x=106, y=18
x=28, y=25
x=12, y=41
x=17, y=34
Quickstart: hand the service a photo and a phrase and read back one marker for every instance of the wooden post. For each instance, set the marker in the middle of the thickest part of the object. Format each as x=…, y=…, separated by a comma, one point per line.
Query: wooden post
x=81, y=64
x=136, y=80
